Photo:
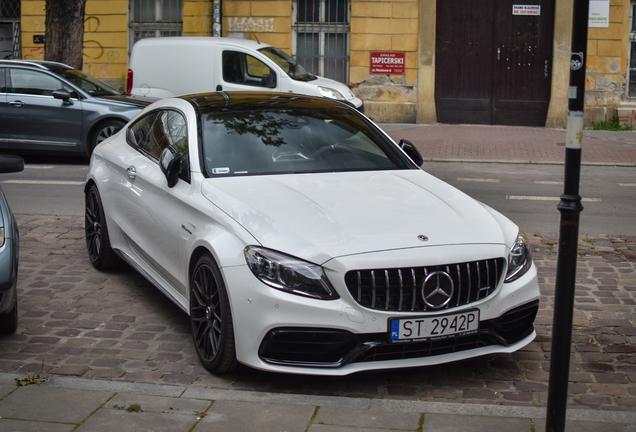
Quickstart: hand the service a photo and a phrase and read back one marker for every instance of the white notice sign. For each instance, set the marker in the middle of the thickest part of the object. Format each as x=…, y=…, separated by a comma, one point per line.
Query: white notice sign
x=599, y=13
x=526, y=10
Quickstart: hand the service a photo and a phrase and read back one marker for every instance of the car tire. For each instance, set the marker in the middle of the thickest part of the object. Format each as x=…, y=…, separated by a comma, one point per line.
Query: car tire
x=9, y=321
x=102, y=131
x=211, y=318
x=98, y=246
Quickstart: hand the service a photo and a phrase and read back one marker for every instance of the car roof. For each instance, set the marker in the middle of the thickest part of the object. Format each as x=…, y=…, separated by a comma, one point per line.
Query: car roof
x=42, y=64
x=202, y=40
x=239, y=100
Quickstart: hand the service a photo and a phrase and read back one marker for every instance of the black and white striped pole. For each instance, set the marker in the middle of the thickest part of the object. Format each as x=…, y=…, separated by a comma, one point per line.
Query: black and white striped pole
x=570, y=208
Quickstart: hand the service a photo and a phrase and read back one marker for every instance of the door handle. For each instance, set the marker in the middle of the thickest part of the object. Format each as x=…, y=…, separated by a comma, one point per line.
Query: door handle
x=219, y=87
x=498, y=53
x=132, y=172
x=17, y=103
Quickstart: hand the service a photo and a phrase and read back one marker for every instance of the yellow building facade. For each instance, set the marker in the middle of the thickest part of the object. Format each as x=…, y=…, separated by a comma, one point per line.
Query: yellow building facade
x=404, y=26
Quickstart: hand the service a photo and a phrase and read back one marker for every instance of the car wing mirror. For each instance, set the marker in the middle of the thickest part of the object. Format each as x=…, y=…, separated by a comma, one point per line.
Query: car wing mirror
x=412, y=152
x=11, y=164
x=269, y=80
x=170, y=163
x=63, y=94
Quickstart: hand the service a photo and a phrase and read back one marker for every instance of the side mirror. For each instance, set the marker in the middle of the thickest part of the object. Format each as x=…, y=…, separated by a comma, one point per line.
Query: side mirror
x=269, y=80
x=412, y=152
x=170, y=163
x=11, y=164
x=63, y=94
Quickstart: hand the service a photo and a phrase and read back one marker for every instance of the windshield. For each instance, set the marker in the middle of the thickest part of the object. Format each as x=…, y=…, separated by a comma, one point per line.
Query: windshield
x=288, y=64
x=284, y=141
x=90, y=85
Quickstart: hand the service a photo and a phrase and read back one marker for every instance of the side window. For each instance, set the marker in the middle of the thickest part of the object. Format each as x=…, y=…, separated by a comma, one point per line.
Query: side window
x=140, y=133
x=177, y=137
x=3, y=88
x=32, y=82
x=244, y=69
x=158, y=130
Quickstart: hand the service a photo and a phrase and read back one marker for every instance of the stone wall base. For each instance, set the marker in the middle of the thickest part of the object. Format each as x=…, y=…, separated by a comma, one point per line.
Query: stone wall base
x=599, y=115
x=391, y=112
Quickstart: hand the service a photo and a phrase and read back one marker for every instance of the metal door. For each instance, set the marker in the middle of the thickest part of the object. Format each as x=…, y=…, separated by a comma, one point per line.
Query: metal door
x=494, y=61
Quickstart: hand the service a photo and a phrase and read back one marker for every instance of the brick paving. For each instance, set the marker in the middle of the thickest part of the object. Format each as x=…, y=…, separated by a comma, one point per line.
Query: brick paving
x=515, y=144
x=77, y=321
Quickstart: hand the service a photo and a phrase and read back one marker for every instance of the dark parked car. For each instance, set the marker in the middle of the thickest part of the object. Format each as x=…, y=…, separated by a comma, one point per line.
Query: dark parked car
x=9, y=252
x=49, y=107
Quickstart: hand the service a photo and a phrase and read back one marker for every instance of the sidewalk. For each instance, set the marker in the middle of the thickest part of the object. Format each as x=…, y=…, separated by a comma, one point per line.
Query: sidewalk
x=475, y=143
x=118, y=356
x=69, y=404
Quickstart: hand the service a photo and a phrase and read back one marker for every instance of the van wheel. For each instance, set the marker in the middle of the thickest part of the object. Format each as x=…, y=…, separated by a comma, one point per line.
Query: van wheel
x=102, y=131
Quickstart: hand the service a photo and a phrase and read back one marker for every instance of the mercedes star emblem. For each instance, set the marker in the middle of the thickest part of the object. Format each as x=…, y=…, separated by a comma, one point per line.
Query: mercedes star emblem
x=437, y=289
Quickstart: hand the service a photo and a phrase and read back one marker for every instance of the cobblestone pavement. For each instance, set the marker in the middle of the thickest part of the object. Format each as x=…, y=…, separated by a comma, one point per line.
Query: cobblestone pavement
x=79, y=322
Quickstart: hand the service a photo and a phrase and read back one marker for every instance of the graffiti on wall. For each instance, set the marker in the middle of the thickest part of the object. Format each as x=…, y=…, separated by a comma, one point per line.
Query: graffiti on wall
x=91, y=25
x=246, y=24
x=33, y=54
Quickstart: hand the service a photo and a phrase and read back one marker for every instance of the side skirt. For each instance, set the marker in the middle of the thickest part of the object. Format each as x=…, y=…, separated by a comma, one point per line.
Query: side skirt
x=181, y=303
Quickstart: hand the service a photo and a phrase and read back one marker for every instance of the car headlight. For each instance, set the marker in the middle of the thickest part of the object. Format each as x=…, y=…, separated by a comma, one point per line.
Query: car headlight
x=289, y=274
x=331, y=93
x=520, y=258
x=1, y=236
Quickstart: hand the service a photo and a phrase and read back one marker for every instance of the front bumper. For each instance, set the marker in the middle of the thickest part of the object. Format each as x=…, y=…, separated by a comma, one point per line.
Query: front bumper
x=329, y=348
x=281, y=332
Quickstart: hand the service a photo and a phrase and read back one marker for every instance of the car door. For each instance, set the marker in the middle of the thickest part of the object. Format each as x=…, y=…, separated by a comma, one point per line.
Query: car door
x=150, y=211
x=37, y=120
x=241, y=71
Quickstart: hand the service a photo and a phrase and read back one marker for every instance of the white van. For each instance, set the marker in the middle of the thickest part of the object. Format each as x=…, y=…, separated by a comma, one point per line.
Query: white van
x=173, y=66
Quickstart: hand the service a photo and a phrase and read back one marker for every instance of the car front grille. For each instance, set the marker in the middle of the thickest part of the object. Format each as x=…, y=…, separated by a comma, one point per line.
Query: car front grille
x=401, y=290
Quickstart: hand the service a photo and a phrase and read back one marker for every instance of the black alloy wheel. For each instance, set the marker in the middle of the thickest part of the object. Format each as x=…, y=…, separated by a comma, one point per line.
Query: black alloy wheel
x=98, y=246
x=211, y=318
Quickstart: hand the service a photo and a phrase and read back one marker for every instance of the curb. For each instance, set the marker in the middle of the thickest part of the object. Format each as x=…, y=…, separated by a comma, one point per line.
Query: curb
x=386, y=405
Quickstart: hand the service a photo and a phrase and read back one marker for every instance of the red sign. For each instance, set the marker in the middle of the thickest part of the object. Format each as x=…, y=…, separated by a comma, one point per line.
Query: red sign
x=387, y=63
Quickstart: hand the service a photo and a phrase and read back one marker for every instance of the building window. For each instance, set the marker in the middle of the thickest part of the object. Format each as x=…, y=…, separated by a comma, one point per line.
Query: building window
x=155, y=18
x=10, y=34
x=631, y=69
x=321, y=37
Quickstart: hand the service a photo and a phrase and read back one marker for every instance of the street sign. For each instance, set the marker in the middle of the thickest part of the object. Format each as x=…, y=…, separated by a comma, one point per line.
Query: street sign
x=387, y=63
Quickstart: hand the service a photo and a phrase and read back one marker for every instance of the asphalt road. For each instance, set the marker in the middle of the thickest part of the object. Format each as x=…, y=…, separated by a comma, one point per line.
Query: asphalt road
x=528, y=194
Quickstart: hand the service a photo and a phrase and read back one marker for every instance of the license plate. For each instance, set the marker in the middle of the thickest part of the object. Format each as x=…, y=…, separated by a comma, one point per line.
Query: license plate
x=415, y=329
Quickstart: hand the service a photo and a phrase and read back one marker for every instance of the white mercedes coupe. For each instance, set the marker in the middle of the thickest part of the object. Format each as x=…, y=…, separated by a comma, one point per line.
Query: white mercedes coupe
x=300, y=238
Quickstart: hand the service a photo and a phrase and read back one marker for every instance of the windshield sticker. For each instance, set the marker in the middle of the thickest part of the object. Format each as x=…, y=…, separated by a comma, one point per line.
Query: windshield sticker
x=220, y=170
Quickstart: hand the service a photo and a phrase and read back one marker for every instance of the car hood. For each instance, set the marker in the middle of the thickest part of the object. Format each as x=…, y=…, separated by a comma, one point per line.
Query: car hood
x=322, y=216
x=125, y=100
